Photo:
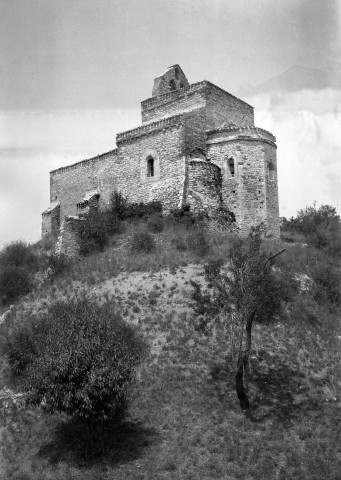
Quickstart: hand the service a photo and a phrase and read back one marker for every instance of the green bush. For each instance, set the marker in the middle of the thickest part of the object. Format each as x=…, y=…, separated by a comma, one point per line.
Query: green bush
x=14, y=282
x=155, y=224
x=82, y=360
x=18, y=254
x=142, y=242
x=197, y=243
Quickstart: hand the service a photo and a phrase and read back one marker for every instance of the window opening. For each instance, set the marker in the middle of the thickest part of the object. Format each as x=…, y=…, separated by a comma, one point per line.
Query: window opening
x=172, y=85
x=150, y=167
x=176, y=71
x=231, y=166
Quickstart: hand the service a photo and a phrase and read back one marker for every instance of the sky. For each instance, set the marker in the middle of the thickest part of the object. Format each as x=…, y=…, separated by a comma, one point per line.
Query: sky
x=73, y=74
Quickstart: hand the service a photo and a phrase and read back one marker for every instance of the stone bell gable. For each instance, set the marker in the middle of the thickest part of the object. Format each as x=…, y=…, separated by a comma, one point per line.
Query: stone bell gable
x=197, y=145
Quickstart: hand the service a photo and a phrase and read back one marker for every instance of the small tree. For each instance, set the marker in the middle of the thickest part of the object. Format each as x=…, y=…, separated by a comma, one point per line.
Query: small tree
x=248, y=292
x=82, y=361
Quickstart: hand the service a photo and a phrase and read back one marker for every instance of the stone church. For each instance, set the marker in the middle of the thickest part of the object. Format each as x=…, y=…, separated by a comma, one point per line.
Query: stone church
x=197, y=145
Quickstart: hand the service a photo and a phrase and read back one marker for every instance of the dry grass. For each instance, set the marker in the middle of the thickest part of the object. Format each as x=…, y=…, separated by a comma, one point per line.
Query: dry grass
x=185, y=421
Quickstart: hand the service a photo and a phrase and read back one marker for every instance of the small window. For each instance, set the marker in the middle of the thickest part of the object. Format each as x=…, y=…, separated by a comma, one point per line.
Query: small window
x=172, y=85
x=271, y=170
x=150, y=167
x=182, y=85
x=231, y=166
x=176, y=71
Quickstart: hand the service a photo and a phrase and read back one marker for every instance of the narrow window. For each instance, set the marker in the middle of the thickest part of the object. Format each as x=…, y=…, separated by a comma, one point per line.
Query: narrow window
x=231, y=166
x=271, y=170
x=172, y=85
x=150, y=167
x=176, y=71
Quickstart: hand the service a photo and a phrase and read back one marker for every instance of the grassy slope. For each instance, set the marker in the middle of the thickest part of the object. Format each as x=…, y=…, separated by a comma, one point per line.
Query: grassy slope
x=185, y=421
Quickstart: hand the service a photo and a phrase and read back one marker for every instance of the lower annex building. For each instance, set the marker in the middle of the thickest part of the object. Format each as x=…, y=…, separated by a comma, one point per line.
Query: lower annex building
x=197, y=145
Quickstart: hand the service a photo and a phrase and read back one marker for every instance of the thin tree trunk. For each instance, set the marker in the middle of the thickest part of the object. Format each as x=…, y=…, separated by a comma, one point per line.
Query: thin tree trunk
x=242, y=365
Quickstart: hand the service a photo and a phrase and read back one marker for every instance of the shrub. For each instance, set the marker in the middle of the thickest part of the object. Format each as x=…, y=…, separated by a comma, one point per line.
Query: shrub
x=92, y=232
x=320, y=226
x=82, y=360
x=155, y=224
x=197, y=243
x=18, y=254
x=58, y=264
x=14, y=282
x=327, y=284
x=179, y=242
x=123, y=210
x=142, y=242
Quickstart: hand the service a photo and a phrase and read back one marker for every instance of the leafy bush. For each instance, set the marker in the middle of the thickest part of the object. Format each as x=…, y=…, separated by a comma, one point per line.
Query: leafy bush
x=327, y=284
x=123, y=210
x=58, y=263
x=155, y=224
x=92, y=232
x=179, y=242
x=18, y=254
x=197, y=243
x=82, y=360
x=142, y=242
x=14, y=282
x=320, y=226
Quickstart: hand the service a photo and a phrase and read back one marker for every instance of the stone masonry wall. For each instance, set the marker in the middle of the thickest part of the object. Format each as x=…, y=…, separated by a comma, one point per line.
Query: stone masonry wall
x=68, y=185
x=166, y=147
x=223, y=107
x=246, y=193
x=204, y=187
x=173, y=103
x=51, y=220
x=271, y=183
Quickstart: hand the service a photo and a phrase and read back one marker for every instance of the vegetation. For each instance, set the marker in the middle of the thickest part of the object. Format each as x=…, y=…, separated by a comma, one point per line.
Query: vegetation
x=184, y=419
x=79, y=358
x=18, y=263
x=320, y=227
x=248, y=292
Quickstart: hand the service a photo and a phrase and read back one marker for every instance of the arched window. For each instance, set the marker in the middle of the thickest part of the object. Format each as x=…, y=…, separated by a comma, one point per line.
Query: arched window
x=230, y=163
x=181, y=85
x=172, y=85
x=150, y=167
x=176, y=71
x=271, y=168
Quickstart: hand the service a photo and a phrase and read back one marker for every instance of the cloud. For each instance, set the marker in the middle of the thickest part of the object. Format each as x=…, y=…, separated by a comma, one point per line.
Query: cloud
x=34, y=143
x=307, y=127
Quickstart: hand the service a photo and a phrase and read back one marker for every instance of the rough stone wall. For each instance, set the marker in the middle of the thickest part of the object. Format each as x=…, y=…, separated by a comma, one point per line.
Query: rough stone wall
x=204, y=187
x=173, y=78
x=271, y=188
x=166, y=147
x=174, y=103
x=51, y=220
x=67, y=243
x=220, y=107
x=195, y=132
x=248, y=193
x=68, y=185
x=223, y=107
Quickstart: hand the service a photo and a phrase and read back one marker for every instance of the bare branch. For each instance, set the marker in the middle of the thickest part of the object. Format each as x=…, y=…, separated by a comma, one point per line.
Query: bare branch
x=273, y=256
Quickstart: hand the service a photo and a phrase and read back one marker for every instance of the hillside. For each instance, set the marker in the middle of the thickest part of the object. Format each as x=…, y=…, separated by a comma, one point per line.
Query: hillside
x=185, y=421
